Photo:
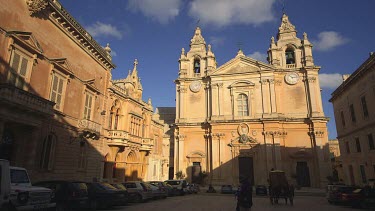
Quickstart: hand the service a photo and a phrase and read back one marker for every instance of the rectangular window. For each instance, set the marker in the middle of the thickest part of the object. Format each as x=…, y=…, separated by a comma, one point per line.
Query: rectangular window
x=364, y=107
x=352, y=113
x=57, y=88
x=347, y=147
x=370, y=141
x=363, y=173
x=358, y=144
x=342, y=118
x=18, y=70
x=88, y=106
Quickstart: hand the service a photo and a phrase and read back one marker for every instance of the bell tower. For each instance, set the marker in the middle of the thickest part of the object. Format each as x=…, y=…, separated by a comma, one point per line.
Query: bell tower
x=289, y=51
x=191, y=85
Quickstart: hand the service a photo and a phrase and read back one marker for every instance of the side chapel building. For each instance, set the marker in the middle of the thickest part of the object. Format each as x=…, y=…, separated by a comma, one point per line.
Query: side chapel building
x=61, y=114
x=247, y=117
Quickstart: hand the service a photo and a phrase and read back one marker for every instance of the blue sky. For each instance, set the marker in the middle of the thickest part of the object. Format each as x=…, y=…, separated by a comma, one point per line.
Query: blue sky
x=154, y=31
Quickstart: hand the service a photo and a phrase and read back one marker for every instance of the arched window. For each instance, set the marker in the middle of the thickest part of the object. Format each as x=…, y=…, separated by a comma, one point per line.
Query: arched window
x=242, y=105
x=289, y=56
x=117, y=115
x=197, y=66
x=48, y=149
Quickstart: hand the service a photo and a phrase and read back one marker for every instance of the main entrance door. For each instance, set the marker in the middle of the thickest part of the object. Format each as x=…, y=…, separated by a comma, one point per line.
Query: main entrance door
x=303, y=174
x=246, y=168
x=195, y=171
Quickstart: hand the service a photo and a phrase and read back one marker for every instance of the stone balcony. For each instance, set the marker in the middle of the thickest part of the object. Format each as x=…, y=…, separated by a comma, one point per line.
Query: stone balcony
x=13, y=96
x=117, y=134
x=147, y=144
x=290, y=66
x=88, y=125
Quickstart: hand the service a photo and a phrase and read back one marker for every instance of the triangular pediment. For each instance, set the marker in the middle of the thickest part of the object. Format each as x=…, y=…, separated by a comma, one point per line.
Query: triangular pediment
x=26, y=39
x=242, y=65
x=62, y=64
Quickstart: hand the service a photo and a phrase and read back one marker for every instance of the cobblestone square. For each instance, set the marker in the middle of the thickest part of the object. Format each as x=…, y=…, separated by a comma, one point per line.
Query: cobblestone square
x=220, y=202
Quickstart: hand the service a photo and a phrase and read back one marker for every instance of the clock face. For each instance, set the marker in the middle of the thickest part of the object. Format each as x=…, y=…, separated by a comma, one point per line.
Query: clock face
x=292, y=78
x=195, y=86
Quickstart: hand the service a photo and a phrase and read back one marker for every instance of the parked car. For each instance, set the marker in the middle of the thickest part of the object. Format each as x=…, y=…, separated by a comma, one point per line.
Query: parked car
x=104, y=195
x=227, y=189
x=335, y=193
x=157, y=192
x=179, y=186
x=17, y=193
x=67, y=194
x=261, y=190
x=139, y=191
x=123, y=189
x=168, y=188
x=360, y=198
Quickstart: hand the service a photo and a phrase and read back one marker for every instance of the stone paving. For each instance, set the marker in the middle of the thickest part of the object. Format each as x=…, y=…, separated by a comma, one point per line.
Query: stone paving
x=221, y=202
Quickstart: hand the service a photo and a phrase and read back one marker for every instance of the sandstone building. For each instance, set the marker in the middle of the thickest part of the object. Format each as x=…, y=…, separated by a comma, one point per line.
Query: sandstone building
x=61, y=114
x=353, y=103
x=247, y=117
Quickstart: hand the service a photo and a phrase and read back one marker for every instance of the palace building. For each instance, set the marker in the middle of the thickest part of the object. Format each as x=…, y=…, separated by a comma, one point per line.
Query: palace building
x=61, y=114
x=247, y=117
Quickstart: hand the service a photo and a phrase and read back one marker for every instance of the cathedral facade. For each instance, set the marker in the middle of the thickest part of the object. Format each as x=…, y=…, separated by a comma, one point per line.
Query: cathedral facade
x=247, y=117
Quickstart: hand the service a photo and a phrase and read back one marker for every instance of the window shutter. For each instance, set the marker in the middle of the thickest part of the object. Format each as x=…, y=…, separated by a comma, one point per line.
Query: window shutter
x=23, y=68
x=15, y=62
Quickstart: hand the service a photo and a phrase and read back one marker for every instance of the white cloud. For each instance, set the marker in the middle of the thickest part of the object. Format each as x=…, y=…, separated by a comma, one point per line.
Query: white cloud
x=328, y=40
x=330, y=81
x=216, y=41
x=161, y=10
x=259, y=56
x=99, y=29
x=113, y=53
x=225, y=12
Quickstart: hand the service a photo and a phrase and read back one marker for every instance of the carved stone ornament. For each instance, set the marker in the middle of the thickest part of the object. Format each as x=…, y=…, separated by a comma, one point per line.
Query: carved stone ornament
x=36, y=6
x=286, y=26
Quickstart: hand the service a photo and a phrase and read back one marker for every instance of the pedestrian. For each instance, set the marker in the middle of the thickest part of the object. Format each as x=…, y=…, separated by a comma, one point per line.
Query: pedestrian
x=245, y=197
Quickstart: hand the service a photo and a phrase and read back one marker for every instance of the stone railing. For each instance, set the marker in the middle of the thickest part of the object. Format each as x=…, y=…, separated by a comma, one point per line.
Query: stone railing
x=117, y=134
x=147, y=144
x=290, y=66
x=147, y=141
x=13, y=95
x=89, y=125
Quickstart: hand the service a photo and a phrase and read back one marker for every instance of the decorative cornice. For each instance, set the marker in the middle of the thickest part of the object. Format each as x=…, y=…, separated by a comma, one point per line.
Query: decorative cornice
x=35, y=6
x=276, y=133
x=63, y=20
x=317, y=133
x=311, y=79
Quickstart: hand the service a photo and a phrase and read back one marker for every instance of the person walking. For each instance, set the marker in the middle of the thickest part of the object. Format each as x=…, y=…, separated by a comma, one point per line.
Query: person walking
x=245, y=197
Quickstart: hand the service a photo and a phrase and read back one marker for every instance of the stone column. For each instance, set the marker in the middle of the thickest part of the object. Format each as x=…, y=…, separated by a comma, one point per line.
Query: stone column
x=181, y=153
x=178, y=102
x=208, y=104
x=216, y=154
x=215, y=102
x=176, y=152
x=265, y=96
x=315, y=159
x=312, y=95
x=220, y=97
x=272, y=95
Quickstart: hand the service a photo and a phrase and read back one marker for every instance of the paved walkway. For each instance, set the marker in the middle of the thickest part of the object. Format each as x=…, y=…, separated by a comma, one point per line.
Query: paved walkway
x=223, y=202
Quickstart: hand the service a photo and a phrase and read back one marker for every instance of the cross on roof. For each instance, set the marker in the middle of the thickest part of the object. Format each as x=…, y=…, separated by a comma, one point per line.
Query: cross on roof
x=135, y=63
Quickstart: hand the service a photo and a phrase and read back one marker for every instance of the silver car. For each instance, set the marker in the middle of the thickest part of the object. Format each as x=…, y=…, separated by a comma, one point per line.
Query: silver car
x=138, y=191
